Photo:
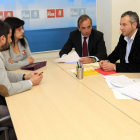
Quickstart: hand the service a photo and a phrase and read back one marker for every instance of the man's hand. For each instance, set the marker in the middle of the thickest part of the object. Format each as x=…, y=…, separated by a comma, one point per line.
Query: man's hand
x=36, y=79
x=31, y=60
x=108, y=66
x=103, y=62
x=10, y=61
x=28, y=76
x=86, y=60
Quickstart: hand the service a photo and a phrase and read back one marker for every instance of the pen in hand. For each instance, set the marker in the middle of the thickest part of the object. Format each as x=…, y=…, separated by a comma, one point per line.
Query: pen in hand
x=40, y=73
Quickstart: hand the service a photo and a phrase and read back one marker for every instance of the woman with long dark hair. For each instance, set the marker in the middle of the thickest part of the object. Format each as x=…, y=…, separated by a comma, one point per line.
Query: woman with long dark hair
x=18, y=55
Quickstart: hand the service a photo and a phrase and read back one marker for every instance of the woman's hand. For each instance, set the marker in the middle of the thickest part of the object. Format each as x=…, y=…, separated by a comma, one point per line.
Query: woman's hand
x=30, y=60
x=10, y=61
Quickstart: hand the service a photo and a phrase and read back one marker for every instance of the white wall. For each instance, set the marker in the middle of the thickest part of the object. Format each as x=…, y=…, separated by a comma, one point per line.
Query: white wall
x=119, y=7
x=111, y=10
x=104, y=21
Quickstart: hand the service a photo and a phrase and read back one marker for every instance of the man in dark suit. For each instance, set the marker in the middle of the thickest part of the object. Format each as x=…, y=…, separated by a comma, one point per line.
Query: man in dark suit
x=128, y=48
x=88, y=43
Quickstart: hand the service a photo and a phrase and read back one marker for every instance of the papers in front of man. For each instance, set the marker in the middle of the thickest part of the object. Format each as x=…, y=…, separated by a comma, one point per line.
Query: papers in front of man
x=118, y=82
x=132, y=91
x=119, y=95
x=70, y=58
x=96, y=64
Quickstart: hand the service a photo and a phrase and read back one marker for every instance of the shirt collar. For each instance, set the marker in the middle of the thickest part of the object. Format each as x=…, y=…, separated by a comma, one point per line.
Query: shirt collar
x=132, y=37
x=83, y=36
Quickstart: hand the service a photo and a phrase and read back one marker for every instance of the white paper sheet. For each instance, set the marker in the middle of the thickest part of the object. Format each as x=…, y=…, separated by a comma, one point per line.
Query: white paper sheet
x=131, y=91
x=96, y=64
x=109, y=84
x=119, y=95
x=119, y=81
x=72, y=58
x=73, y=62
x=136, y=80
x=116, y=92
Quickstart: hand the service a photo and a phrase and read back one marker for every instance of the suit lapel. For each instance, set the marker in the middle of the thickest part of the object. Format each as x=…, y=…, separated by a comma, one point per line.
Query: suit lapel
x=123, y=50
x=79, y=44
x=135, y=42
x=90, y=42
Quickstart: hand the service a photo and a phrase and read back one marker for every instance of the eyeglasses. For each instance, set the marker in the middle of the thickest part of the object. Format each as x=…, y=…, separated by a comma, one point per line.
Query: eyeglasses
x=22, y=28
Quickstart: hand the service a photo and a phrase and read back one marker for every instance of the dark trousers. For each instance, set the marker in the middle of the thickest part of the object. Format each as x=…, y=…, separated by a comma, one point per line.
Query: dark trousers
x=4, y=112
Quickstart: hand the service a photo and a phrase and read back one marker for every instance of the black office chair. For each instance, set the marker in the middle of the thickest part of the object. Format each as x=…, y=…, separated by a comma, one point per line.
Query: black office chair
x=5, y=129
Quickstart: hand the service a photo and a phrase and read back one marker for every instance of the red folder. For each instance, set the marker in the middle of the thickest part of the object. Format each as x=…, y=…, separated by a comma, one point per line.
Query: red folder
x=34, y=66
x=105, y=72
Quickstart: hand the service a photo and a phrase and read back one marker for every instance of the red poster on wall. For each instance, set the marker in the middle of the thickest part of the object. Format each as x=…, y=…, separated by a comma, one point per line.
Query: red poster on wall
x=51, y=13
x=59, y=13
x=8, y=14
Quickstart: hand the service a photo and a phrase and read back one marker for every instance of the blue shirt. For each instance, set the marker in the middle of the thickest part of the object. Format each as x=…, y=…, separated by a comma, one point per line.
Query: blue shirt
x=129, y=45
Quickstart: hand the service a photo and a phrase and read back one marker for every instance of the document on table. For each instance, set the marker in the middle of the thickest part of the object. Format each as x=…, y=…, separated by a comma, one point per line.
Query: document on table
x=119, y=95
x=70, y=58
x=116, y=83
x=119, y=81
x=96, y=64
x=132, y=91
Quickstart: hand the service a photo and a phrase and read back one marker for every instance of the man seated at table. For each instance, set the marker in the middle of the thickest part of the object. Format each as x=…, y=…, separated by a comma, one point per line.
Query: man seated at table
x=128, y=47
x=88, y=43
x=12, y=83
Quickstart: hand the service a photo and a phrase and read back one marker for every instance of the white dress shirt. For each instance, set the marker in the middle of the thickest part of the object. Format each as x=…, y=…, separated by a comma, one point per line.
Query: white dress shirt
x=82, y=38
x=129, y=45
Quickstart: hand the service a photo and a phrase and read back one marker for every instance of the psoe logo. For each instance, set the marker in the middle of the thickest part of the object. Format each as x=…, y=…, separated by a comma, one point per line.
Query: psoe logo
x=34, y=14
x=74, y=12
x=1, y=15
x=59, y=13
x=82, y=11
x=51, y=13
x=25, y=14
x=8, y=14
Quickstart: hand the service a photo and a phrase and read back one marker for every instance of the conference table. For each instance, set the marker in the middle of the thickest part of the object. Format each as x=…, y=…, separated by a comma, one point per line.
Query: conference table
x=65, y=108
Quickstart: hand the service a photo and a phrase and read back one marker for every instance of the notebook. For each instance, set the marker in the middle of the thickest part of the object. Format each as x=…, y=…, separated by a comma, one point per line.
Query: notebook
x=35, y=66
x=105, y=72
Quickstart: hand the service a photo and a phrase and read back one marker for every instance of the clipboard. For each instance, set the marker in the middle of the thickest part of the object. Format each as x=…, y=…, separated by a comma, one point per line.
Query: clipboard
x=34, y=66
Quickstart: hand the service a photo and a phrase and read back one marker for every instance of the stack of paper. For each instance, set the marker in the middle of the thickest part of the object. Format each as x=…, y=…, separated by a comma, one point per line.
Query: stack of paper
x=118, y=82
x=70, y=58
x=132, y=91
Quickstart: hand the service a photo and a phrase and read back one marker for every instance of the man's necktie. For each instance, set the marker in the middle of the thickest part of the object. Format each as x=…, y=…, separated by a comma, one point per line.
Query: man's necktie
x=85, y=49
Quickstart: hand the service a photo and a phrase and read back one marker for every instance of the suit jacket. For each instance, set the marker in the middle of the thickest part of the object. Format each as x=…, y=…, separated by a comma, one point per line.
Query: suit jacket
x=96, y=44
x=134, y=56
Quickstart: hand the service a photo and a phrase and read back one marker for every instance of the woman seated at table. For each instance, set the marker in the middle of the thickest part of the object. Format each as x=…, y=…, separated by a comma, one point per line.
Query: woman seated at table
x=18, y=55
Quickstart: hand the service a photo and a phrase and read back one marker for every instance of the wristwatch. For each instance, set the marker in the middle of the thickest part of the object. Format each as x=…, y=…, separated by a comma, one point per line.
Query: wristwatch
x=93, y=60
x=23, y=78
